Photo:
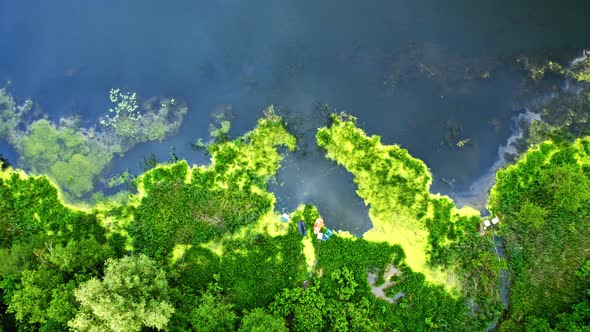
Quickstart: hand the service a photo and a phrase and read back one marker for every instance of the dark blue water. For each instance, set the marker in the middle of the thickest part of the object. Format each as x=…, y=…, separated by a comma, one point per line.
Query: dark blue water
x=67, y=54
x=8, y=152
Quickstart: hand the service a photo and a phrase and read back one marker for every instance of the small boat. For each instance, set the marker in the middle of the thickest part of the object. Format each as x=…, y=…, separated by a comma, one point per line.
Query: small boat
x=318, y=225
x=301, y=227
x=327, y=234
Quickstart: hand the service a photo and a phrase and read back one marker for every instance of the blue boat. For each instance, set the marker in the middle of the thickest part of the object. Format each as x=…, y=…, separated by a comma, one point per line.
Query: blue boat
x=302, y=228
x=327, y=234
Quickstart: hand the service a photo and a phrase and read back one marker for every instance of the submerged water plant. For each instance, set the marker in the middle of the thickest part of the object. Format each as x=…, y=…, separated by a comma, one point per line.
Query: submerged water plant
x=73, y=156
x=578, y=69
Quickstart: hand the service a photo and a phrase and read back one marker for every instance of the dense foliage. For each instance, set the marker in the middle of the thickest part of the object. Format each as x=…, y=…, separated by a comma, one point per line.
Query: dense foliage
x=564, y=116
x=133, y=293
x=63, y=265
x=564, y=110
x=46, y=251
x=201, y=248
x=438, y=240
x=543, y=202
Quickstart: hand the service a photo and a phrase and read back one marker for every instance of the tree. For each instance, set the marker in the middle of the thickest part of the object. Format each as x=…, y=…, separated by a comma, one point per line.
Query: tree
x=213, y=313
x=79, y=256
x=307, y=307
x=542, y=201
x=578, y=318
x=532, y=215
x=258, y=320
x=132, y=294
x=344, y=280
x=568, y=185
x=31, y=301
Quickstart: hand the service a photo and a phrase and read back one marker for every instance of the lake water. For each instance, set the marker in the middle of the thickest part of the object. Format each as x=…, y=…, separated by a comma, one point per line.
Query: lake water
x=364, y=57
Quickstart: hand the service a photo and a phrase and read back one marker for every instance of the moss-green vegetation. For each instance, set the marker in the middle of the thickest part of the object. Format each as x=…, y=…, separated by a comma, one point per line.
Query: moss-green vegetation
x=564, y=116
x=436, y=64
x=196, y=223
x=11, y=114
x=72, y=156
x=182, y=205
x=578, y=70
x=46, y=250
x=200, y=248
x=53, y=256
x=543, y=203
x=564, y=113
x=438, y=240
x=125, y=116
x=389, y=180
x=64, y=155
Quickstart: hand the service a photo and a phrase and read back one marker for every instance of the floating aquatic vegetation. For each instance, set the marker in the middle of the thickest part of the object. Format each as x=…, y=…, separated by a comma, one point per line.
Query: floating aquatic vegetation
x=124, y=117
x=119, y=179
x=149, y=162
x=154, y=120
x=12, y=115
x=578, y=69
x=565, y=111
x=453, y=128
x=74, y=156
x=464, y=142
x=561, y=115
x=220, y=133
x=218, y=129
x=538, y=69
x=437, y=64
x=63, y=153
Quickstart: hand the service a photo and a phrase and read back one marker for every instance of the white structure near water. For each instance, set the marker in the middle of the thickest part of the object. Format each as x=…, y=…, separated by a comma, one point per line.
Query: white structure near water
x=487, y=223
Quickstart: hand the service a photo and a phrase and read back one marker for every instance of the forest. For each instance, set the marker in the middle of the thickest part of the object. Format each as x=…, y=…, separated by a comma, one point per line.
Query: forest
x=201, y=247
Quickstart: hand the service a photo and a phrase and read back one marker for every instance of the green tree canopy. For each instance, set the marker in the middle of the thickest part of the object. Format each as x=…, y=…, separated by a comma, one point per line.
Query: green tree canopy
x=132, y=294
x=213, y=313
x=258, y=320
